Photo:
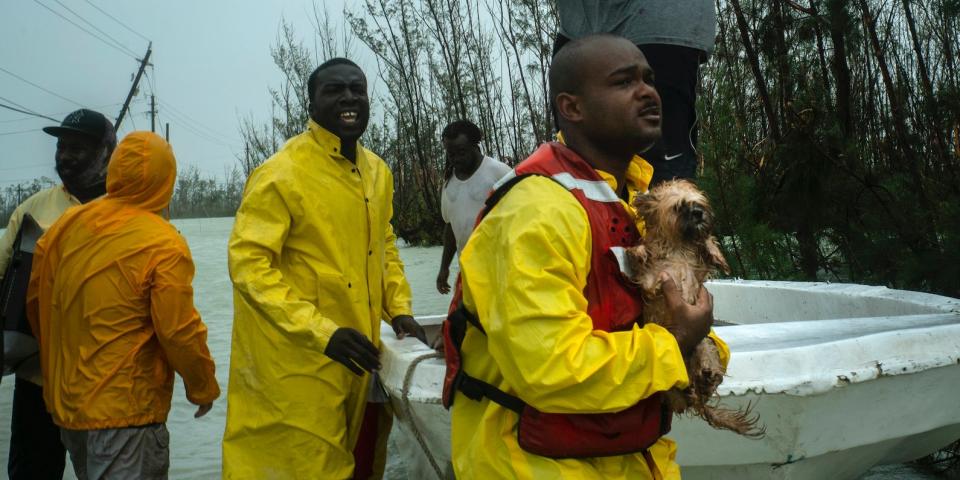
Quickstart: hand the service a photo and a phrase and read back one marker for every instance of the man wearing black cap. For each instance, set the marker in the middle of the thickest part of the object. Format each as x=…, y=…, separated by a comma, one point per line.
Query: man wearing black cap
x=85, y=141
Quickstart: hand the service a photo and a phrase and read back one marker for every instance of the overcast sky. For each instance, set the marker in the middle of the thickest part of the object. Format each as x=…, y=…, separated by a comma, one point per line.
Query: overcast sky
x=211, y=66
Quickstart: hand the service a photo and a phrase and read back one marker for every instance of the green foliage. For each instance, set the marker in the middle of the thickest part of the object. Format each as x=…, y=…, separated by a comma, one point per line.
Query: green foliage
x=198, y=197
x=836, y=161
x=439, y=61
x=805, y=194
x=14, y=194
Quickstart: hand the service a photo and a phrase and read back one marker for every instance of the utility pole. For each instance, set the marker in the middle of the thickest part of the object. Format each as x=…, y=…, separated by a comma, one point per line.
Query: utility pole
x=167, y=135
x=153, y=113
x=19, y=187
x=133, y=88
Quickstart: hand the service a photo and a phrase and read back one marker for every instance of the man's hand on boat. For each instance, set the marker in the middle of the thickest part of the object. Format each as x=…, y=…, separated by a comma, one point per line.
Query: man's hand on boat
x=404, y=325
x=690, y=323
x=353, y=350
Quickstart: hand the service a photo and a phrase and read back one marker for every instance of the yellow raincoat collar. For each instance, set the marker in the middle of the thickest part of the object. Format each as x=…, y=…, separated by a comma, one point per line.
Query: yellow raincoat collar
x=639, y=174
x=142, y=172
x=327, y=139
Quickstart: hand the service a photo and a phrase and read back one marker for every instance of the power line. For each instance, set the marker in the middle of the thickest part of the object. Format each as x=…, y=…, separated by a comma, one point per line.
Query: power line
x=32, y=117
x=35, y=114
x=199, y=134
x=17, y=132
x=124, y=25
x=200, y=126
x=19, y=119
x=84, y=20
x=88, y=32
x=17, y=104
x=149, y=75
x=8, y=72
x=185, y=121
x=188, y=122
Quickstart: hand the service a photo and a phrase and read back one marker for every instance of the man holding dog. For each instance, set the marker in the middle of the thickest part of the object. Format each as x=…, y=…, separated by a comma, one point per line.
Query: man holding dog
x=559, y=379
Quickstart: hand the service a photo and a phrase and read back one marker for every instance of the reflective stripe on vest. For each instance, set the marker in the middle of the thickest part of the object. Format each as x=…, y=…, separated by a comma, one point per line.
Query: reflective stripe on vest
x=596, y=190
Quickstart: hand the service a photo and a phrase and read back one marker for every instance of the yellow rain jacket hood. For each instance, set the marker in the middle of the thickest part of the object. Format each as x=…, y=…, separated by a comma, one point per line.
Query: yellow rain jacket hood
x=312, y=250
x=111, y=301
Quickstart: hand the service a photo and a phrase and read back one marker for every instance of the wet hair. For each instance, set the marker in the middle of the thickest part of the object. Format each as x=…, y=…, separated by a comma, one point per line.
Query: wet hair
x=463, y=127
x=312, y=81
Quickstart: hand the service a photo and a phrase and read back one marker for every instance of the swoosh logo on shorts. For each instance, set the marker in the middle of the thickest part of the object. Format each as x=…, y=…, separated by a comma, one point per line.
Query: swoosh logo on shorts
x=671, y=157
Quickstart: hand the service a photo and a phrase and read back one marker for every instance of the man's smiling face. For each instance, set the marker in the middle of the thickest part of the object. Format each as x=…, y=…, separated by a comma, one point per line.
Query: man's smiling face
x=340, y=102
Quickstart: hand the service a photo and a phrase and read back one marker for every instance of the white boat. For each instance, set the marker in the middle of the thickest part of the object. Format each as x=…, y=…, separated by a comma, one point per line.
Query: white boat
x=844, y=377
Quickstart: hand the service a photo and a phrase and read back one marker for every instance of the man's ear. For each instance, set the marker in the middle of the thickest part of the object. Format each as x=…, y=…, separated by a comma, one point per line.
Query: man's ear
x=568, y=107
x=104, y=158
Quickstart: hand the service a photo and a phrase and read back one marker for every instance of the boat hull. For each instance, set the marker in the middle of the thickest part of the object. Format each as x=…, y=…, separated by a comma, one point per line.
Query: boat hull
x=843, y=377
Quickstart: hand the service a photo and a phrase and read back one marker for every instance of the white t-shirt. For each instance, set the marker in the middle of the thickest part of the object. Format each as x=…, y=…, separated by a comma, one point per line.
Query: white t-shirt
x=462, y=200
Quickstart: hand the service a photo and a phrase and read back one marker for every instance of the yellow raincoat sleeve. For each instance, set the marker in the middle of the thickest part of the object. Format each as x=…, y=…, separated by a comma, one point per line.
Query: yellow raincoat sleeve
x=261, y=227
x=33, y=289
x=180, y=331
x=9, y=236
x=396, y=290
x=538, y=332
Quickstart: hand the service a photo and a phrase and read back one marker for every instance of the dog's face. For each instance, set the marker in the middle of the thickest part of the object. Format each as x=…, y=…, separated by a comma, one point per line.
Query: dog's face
x=676, y=211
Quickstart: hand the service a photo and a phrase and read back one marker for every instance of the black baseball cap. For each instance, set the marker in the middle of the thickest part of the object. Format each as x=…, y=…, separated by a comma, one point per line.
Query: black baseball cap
x=83, y=121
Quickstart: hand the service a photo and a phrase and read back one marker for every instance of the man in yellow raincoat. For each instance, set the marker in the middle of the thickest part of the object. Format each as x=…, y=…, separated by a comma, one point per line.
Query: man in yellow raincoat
x=111, y=304
x=315, y=268
x=85, y=140
x=529, y=276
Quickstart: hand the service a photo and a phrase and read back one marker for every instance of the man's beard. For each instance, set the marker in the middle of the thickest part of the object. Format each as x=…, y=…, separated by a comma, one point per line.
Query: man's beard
x=86, y=183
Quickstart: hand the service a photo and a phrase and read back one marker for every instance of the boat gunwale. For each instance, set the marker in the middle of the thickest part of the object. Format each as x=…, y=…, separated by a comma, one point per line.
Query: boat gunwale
x=743, y=380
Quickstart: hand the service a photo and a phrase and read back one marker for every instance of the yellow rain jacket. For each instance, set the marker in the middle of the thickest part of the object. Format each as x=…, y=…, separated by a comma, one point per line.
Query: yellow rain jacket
x=312, y=250
x=45, y=207
x=111, y=301
x=523, y=271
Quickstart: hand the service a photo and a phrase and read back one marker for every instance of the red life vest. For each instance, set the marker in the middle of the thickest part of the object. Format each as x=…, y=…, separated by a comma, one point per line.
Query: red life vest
x=613, y=303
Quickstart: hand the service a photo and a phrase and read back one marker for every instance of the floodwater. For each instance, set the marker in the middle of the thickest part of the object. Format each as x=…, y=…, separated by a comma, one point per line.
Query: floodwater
x=195, y=443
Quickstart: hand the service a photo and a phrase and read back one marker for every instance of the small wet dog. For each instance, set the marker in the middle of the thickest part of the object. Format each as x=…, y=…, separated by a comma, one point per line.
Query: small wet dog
x=679, y=240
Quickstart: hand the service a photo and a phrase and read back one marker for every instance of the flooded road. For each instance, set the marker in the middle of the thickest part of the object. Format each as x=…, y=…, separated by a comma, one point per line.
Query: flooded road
x=195, y=443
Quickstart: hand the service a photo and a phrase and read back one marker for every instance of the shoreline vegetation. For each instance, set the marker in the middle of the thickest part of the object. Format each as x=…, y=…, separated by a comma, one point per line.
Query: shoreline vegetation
x=829, y=129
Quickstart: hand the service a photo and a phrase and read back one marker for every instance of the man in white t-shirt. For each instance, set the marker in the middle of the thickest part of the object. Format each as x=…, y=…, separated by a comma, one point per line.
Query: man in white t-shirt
x=469, y=178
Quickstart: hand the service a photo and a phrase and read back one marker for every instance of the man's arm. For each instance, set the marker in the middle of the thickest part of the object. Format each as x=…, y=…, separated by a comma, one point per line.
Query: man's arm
x=525, y=269
x=260, y=229
x=181, y=333
x=8, y=238
x=38, y=266
x=397, y=298
x=449, y=248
